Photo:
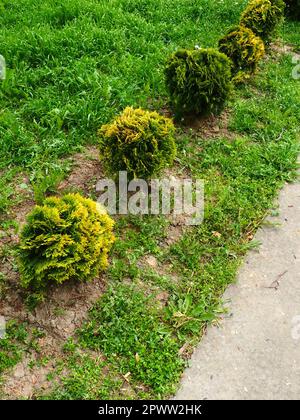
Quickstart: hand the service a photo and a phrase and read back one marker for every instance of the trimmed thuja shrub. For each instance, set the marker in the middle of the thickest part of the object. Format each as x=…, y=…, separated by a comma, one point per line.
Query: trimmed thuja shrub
x=244, y=48
x=263, y=17
x=199, y=81
x=293, y=9
x=139, y=142
x=65, y=238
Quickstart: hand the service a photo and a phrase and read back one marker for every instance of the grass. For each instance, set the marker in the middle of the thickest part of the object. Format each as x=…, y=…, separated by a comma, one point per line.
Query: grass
x=112, y=52
x=17, y=341
x=128, y=324
x=87, y=378
x=10, y=351
x=71, y=67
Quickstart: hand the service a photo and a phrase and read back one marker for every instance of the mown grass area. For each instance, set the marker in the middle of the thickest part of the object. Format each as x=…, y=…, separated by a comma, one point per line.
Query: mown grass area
x=72, y=68
x=61, y=53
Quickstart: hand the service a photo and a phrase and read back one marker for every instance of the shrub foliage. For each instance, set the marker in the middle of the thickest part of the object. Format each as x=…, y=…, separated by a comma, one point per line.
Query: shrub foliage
x=244, y=48
x=65, y=238
x=263, y=17
x=293, y=8
x=139, y=142
x=199, y=81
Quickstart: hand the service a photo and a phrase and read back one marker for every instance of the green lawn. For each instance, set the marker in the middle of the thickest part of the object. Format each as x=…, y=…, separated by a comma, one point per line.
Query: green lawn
x=72, y=67
x=111, y=52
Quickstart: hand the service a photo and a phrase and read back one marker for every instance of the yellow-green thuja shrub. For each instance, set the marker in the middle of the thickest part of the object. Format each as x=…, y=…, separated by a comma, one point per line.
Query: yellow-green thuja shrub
x=245, y=50
x=139, y=142
x=263, y=17
x=199, y=81
x=65, y=238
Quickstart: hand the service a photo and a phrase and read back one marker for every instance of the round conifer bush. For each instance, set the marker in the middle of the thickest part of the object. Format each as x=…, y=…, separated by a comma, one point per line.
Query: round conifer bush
x=138, y=141
x=244, y=48
x=263, y=17
x=293, y=9
x=199, y=81
x=65, y=238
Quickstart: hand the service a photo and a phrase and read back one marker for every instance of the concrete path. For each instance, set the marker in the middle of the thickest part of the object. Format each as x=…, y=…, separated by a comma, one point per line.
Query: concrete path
x=255, y=352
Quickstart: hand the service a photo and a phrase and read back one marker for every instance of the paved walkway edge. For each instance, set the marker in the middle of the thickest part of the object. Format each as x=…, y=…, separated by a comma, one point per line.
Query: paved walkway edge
x=255, y=351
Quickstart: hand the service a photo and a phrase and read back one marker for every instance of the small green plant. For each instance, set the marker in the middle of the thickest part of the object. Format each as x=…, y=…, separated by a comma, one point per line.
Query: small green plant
x=199, y=81
x=244, y=48
x=293, y=9
x=12, y=345
x=65, y=238
x=126, y=326
x=139, y=142
x=263, y=17
x=46, y=185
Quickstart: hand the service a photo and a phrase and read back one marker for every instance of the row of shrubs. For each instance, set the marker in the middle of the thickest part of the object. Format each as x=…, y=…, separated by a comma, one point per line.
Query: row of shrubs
x=199, y=82
x=70, y=237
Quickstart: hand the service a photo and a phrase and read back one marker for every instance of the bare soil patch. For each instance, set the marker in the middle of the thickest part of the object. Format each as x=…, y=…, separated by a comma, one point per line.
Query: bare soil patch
x=86, y=171
x=210, y=127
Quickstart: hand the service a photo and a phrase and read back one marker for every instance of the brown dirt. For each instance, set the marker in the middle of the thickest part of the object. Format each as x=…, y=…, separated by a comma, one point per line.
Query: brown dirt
x=280, y=48
x=175, y=232
x=210, y=127
x=86, y=171
x=22, y=210
x=23, y=380
x=64, y=310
